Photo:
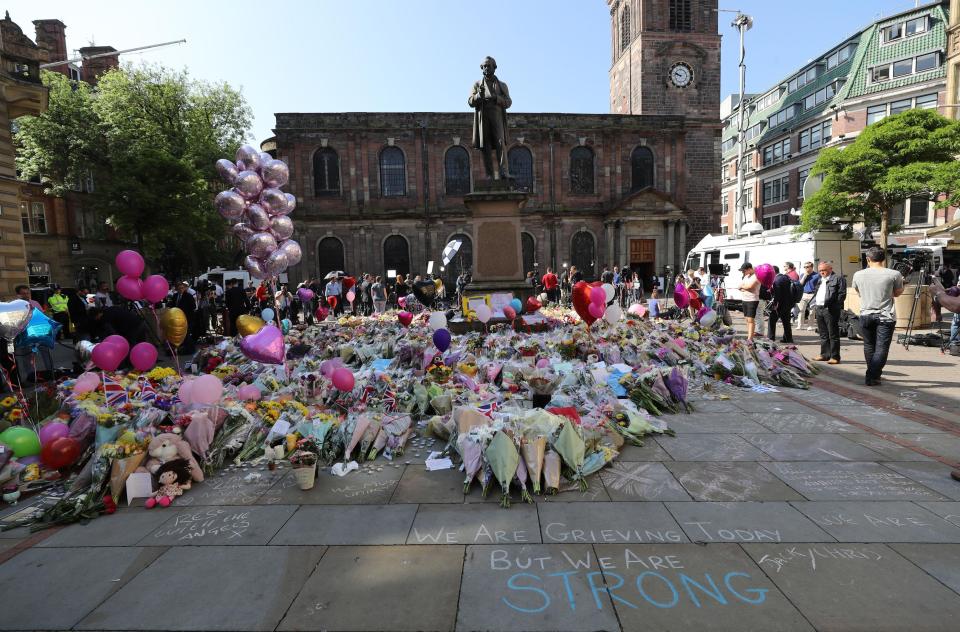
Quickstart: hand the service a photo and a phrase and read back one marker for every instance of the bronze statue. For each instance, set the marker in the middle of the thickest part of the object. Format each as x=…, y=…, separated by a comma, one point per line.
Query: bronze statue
x=490, y=100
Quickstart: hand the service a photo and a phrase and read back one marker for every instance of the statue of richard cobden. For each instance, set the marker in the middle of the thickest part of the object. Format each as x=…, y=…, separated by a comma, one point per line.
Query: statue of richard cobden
x=490, y=100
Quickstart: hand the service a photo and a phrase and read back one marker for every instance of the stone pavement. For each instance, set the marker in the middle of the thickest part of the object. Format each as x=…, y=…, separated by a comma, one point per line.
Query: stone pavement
x=785, y=511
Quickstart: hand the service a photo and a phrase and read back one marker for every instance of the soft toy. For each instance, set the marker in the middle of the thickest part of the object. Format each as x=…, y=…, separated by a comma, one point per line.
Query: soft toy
x=173, y=478
x=167, y=447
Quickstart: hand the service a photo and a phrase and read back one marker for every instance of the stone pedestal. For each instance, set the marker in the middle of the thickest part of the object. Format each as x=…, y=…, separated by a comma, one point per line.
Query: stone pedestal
x=498, y=257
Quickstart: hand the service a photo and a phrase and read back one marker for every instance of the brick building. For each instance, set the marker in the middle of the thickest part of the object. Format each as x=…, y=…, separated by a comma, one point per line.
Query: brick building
x=894, y=64
x=384, y=191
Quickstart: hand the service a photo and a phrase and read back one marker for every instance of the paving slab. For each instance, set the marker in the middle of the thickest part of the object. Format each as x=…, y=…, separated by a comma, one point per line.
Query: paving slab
x=231, y=487
x=691, y=587
x=949, y=511
x=888, y=450
x=946, y=445
x=47, y=589
x=340, y=525
x=377, y=588
x=932, y=474
x=649, y=451
x=479, y=523
x=417, y=485
x=731, y=482
x=876, y=521
x=799, y=423
x=811, y=447
x=8, y=543
x=352, y=489
x=771, y=407
x=124, y=528
x=823, y=397
x=745, y=522
x=210, y=526
x=619, y=522
x=724, y=423
x=940, y=560
x=716, y=406
x=849, y=481
x=884, y=421
x=253, y=586
x=534, y=587
x=641, y=481
x=858, y=587
x=710, y=447
x=568, y=492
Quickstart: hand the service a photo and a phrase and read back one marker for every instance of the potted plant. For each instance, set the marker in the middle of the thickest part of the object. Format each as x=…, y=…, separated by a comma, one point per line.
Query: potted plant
x=304, y=465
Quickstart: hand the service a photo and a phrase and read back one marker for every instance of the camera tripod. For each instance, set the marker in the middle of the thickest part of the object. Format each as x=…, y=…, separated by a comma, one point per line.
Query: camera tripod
x=922, y=279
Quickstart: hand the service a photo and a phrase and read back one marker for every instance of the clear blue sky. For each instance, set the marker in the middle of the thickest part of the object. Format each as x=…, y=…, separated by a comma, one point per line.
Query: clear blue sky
x=422, y=55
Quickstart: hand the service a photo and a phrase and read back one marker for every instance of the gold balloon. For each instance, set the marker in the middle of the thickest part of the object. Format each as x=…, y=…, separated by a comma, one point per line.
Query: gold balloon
x=173, y=324
x=248, y=325
x=438, y=283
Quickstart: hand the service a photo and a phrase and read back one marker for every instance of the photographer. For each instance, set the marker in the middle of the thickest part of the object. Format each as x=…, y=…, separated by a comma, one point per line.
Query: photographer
x=950, y=299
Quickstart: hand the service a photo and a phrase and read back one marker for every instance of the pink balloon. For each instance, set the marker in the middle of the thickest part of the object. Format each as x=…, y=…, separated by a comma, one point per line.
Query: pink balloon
x=292, y=250
x=264, y=346
x=509, y=312
x=274, y=201
x=483, y=313
x=637, y=310
x=130, y=287
x=257, y=218
x=343, y=379
x=86, y=382
x=282, y=227
x=291, y=203
x=327, y=367
x=249, y=393
x=242, y=231
x=275, y=173
x=107, y=356
x=680, y=296
x=130, y=263
x=255, y=267
x=543, y=363
x=275, y=263
x=765, y=274
x=185, y=392
x=405, y=318
x=120, y=342
x=351, y=296
x=143, y=356
x=155, y=288
x=402, y=301
x=248, y=184
x=595, y=310
x=230, y=204
x=207, y=389
x=227, y=171
x=249, y=156
x=53, y=430
x=598, y=295
x=260, y=245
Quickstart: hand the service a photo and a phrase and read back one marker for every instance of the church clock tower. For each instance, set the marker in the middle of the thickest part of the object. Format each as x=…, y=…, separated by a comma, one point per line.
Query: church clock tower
x=666, y=58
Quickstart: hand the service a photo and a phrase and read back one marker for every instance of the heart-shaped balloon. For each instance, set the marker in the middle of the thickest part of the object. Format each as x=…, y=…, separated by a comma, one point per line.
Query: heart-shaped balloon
x=305, y=294
x=765, y=274
x=581, y=300
x=533, y=304
x=348, y=282
x=264, y=346
x=247, y=324
x=321, y=313
x=14, y=316
x=425, y=291
x=405, y=318
x=680, y=296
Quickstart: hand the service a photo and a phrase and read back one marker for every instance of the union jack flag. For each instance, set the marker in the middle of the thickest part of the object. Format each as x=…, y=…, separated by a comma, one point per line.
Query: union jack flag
x=367, y=391
x=389, y=401
x=114, y=391
x=147, y=392
x=488, y=409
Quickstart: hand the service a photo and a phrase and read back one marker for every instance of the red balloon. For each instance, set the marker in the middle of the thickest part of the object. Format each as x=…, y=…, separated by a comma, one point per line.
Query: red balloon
x=581, y=300
x=322, y=312
x=509, y=312
x=348, y=282
x=332, y=302
x=533, y=305
x=61, y=452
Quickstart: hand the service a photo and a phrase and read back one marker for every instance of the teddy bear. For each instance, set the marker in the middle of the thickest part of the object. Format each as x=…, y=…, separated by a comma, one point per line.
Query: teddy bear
x=168, y=446
x=173, y=478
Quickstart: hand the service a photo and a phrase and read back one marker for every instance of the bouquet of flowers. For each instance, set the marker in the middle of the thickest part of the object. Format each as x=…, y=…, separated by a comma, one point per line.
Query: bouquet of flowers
x=501, y=453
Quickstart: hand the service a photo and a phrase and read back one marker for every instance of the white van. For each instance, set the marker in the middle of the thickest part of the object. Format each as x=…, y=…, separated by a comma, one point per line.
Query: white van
x=775, y=247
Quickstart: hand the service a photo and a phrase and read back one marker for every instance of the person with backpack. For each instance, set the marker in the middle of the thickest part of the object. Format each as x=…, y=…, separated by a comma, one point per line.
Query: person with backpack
x=781, y=306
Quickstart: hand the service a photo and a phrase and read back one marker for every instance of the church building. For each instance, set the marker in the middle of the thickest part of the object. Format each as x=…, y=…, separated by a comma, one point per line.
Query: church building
x=380, y=192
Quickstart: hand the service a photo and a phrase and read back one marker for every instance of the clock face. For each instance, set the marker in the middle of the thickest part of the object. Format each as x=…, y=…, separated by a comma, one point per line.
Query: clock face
x=681, y=74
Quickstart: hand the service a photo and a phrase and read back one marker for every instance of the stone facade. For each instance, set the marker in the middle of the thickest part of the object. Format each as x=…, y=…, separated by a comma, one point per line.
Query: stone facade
x=635, y=188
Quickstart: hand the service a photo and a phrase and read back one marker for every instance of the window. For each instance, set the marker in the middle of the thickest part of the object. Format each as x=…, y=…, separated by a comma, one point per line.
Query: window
x=776, y=190
x=916, y=25
x=773, y=221
x=816, y=136
x=753, y=132
x=919, y=210
x=681, y=16
x=926, y=62
x=767, y=100
x=783, y=115
x=802, y=176
x=902, y=68
x=900, y=106
x=396, y=254
x=927, y=101
x=521, y=167
x=748, y=197
x=776, y=152
x=880, y=74
x=393, y=173
x=803, y=78
x=840, y=56
x=625, y=29
x=581, y=170
x=876, y=113
x=456, y=171
x=326, y=173
x=896, y=215
x=724, y=206
x=728, y=144
x=329, y=256
x=33, y=218
x=724, y=230
x=641, y=168
x=893, y=32
x=528, y=251
x=583, y=254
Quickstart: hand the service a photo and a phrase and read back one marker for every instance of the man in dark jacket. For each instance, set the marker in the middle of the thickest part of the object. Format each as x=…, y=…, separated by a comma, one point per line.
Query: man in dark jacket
x=237, y=304
x=781, y=308
x=829, y=294
x=185, y=301
x=109, y=321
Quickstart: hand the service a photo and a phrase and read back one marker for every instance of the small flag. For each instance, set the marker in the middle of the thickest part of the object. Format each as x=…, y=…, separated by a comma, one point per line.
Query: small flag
x=114, y=391
x=488, y=409
x=147, y=392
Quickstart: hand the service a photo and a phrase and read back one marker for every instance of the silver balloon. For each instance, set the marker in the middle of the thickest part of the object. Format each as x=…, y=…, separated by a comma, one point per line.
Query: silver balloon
x=248, y=184
x=230, y=205
x=261, y=244
x=291, y=203
x=227, y=170
x=249, y=156
x=254, y=267
x=242, y=231
x=83, y=351
x=257, y=217
x=282, y=227
x=264, y=159
x=275, y=173
x=273, y=200
x=292, y=250
x=14, y=317
x=275, y=263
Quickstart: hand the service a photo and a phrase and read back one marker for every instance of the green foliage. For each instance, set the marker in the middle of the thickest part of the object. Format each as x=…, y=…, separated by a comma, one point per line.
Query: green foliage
x=150, y=137
x=912, y=154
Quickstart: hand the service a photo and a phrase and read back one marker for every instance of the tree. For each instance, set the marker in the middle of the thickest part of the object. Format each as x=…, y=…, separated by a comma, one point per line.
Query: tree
x=912, y=154
x=150, y=137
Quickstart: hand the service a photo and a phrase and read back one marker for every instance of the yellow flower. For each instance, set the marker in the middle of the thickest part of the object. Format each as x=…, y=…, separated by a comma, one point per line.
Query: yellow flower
x=8, y=402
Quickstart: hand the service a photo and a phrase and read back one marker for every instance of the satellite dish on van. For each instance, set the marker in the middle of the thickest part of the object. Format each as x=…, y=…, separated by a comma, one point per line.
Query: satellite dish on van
x=751, y=228
x=812, y=185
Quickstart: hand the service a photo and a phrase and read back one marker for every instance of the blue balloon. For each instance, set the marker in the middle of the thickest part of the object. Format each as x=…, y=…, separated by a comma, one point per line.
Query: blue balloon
x=285, y=325
x=517, y=305
x=41, y=331
x=267, y=314
x=441, y=338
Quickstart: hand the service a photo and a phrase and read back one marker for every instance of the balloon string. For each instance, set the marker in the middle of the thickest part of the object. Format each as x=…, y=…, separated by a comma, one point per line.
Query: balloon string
x=17, y=392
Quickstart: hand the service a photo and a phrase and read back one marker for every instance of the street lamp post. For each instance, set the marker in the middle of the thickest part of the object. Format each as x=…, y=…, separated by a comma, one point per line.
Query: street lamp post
x=743, y=23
